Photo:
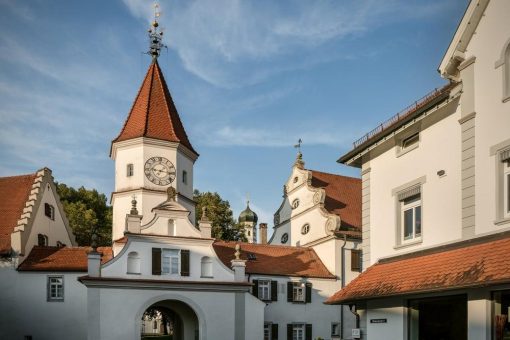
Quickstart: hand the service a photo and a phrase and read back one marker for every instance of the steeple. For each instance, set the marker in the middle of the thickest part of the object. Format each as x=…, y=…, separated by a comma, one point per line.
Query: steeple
x=153, y=114
x=299, y=157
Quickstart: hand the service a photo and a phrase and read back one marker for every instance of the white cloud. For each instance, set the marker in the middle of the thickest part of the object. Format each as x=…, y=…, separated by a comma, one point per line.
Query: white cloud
x=231, y=43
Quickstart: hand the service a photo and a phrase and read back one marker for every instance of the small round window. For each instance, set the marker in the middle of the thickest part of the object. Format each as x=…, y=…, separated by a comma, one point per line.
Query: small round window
x=296, y=179
x=305, y=229
x=295, y=203
x=285, y=238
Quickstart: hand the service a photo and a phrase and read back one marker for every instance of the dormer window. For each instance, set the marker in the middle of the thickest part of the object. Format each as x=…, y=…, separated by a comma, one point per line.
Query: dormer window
x=49, y=211
x=129, y=170
x=42, y=240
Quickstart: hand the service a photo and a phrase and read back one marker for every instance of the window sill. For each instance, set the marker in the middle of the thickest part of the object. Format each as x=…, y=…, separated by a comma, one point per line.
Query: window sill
x=128, y=273
x=502, y=221
x=207, y=277
x=401, y=152
x=408, y=244
x=55, y=300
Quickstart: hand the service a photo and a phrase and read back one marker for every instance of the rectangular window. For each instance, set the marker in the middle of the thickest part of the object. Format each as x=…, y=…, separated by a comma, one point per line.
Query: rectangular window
x=55, y=288
x=355, y=260
x=298, y=292
x=411, y=217
x=410, y=141
x=267, y=331
x=335, y=329
x=298, y=331
x=49, y=211
x=129, y=170
x=265, y=290
x=506, y=189
x=170, y=261
x=184, y=177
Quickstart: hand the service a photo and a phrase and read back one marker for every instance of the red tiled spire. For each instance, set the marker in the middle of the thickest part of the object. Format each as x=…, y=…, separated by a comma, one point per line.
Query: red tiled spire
x=153, y=113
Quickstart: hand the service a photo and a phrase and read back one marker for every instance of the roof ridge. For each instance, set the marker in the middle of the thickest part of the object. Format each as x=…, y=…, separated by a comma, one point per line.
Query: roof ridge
x=19, y=176
x=332, y=174
x=264, y=245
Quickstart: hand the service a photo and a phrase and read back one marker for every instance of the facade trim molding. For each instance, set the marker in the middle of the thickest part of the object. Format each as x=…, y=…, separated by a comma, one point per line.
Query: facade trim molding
x=467, y=117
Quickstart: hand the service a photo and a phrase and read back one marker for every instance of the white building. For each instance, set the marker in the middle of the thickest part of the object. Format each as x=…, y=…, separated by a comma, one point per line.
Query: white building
x=436, y=193
x=159, y=259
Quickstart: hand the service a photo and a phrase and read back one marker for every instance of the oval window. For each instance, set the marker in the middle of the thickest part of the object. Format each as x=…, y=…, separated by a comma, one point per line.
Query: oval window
x=305, y=229
x=285, y=238
x=296, y=179
x=295, y=203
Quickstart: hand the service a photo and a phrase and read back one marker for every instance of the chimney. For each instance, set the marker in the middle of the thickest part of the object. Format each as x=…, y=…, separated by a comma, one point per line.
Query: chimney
x=263, y=233
x=204, y=225
x=239, y=266
x=94, y=258
x=133, y=220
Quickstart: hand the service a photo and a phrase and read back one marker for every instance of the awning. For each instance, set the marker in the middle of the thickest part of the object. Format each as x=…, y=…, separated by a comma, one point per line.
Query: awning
x=477, y=262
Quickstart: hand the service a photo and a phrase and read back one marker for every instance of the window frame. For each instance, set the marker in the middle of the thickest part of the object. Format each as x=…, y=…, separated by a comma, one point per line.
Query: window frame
x=49, y=211
x=264, y=285
x=337, y=333
x=206, y=267
x=407, y=190
x=414, y=205
x=49, y=286
x=268, y=328
x=286, y=237
x=295, y=289
x=44, y=238
x=184, y=177
x=176, y=255
x=299, y=327
x=295, y=203
x=130, y=170
x=502, y=186
x=401, y=141
x=506, y=189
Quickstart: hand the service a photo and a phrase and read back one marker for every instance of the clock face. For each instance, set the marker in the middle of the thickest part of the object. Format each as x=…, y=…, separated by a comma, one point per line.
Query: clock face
x=159, y=171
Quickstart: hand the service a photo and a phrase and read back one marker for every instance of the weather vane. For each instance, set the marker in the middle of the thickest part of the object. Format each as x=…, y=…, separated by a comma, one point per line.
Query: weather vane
x=155, y=35
x=298, y=145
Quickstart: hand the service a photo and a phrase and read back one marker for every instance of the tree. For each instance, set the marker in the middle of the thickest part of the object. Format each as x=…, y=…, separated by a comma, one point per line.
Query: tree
x=85, y=210
x=219, y=213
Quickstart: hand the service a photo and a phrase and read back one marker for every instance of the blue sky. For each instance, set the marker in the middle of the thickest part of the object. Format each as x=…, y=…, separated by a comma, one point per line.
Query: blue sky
x=248, y=77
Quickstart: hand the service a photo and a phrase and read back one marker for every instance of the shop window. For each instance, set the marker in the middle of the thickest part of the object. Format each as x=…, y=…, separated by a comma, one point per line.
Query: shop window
x=55, y=286
x=501, y=311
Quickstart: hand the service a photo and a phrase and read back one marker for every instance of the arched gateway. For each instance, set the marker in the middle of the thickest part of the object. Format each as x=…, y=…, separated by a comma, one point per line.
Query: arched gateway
x=170, y=319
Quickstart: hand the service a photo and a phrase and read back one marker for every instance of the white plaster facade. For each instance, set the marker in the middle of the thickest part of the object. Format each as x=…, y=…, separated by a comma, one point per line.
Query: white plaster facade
x=456, y=164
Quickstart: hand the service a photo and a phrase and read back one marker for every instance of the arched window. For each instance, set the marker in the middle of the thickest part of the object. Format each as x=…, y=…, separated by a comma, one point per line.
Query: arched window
x=504, y=63
x=133, y=263
x=171, y=228
x=206, y=266
x=295, y=203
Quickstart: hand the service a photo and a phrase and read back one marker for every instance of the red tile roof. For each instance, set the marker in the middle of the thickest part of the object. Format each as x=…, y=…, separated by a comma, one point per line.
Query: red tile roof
x=153, y=113
x=343, y=197
x=61, y=259
x=14, y=192
x=472, y=263
x=275, y=260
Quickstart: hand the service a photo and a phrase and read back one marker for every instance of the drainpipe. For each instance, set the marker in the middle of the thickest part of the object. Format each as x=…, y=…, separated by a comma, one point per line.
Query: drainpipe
x=342, y=282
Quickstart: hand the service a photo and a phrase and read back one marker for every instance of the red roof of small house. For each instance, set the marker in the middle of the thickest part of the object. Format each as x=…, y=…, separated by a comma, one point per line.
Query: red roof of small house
x=472, y=263
x=14, y=192
x=343, y=198
x=274, y=260
x=61, y=259
x=153, y=113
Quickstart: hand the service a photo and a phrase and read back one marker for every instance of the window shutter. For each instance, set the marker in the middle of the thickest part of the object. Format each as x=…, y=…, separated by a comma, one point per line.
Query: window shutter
x=308, y=331
x=274, y=331
x=289, y=331
x=308, y=293
x=156, y=261
x=255, y=288
x=290, y=285
x=274, y=290
x=184, y=262
x=355, y=260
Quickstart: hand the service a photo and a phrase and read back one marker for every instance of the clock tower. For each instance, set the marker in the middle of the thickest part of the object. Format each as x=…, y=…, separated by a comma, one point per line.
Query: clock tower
x=152, y=151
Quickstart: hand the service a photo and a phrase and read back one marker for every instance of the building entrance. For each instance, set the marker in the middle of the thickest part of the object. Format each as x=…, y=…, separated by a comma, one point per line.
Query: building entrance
x=169, y=320
x=443, y=318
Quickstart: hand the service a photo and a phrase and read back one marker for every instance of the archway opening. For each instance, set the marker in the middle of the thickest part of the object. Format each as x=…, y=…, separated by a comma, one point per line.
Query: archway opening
x=169, y=320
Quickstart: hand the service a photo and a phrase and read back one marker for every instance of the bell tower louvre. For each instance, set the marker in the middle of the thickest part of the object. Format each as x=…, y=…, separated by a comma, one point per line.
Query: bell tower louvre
x=152, y=151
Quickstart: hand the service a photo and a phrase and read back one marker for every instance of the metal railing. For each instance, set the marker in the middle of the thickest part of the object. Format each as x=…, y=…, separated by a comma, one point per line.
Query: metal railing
x=403, y=114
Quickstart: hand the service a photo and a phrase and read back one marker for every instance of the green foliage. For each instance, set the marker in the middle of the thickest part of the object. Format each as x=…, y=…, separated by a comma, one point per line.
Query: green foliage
x=86, y=209
x=219, y=213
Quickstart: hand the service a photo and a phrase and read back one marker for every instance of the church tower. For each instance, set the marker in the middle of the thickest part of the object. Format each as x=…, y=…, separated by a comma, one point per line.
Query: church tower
x=152, y=151
x=249, y=219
